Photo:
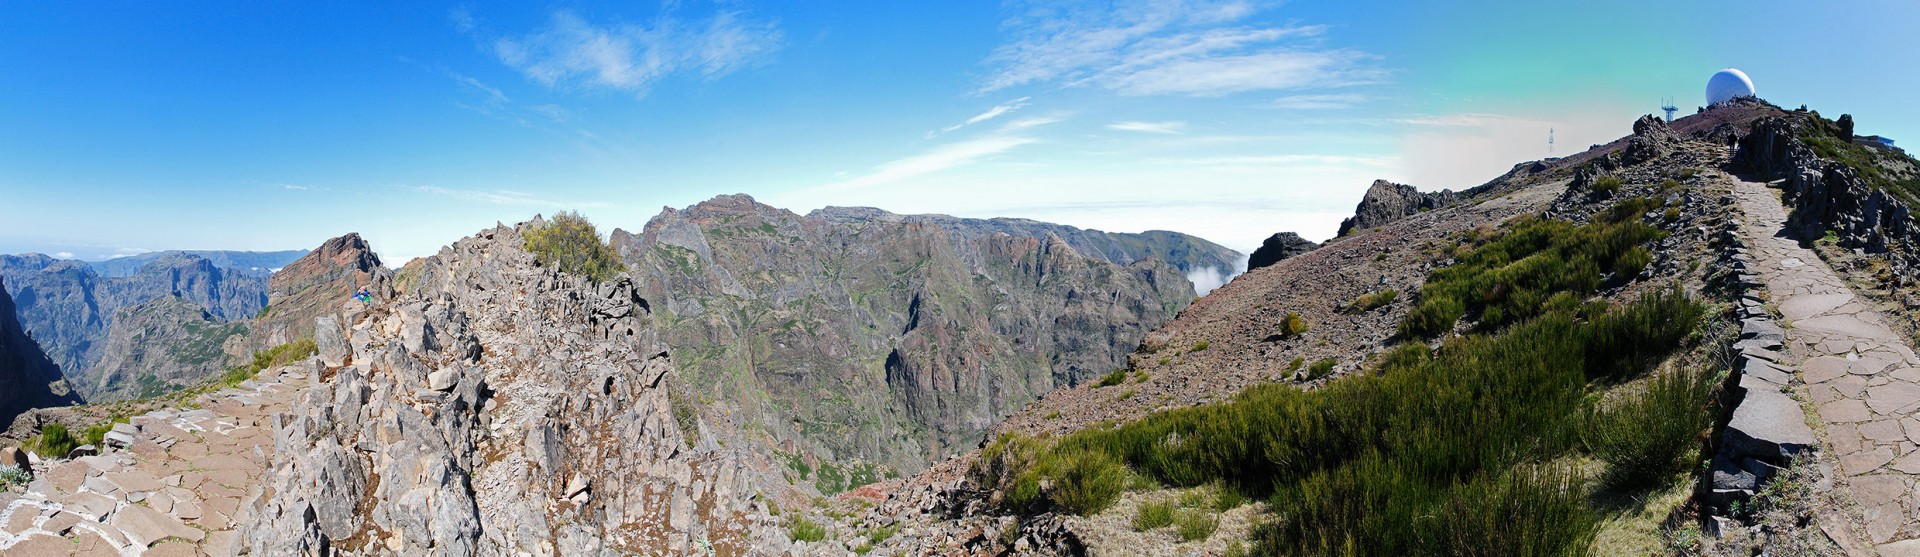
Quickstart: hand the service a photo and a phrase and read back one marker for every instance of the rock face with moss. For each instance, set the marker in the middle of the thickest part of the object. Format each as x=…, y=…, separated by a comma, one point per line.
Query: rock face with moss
x=28, y=379
x=855, y=338
x=73, y=311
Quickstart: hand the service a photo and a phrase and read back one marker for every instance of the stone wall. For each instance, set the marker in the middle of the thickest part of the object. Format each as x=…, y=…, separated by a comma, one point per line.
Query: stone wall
x=1828, y=196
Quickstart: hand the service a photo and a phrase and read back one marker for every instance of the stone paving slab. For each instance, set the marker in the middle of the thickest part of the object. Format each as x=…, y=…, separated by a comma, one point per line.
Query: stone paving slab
x=1862, y=376
x=172, y=491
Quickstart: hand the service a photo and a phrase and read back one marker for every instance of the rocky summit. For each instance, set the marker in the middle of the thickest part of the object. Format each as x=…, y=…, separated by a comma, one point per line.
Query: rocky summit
x=1387, y=202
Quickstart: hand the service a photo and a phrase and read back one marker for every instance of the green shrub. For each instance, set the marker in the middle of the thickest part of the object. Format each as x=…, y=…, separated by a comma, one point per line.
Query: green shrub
x=1128, y=394
x=54, y=441
x=1293, y=326
x=1088, y=483
x=1194, y=524
x=1198, y=346
x=1511, y=277
x=1649, y=436
x=804, y=530
x=1606, y=184
x=277, y=356
x=1423, y=455
x=1296, y=363
x=14, y=475
x=1321, y=368
x=1371, y=301
x=1153, y=514
x=570, y=243
x=1226, y=498
x=1631, y=263
x=1117, y=377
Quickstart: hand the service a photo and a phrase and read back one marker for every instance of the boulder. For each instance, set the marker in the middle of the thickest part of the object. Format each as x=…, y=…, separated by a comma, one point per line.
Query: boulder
x=1277, y=247
x=331, y=341
x=442, y=380
x=13, y=456
x=1769, y=427
x=1387, y=202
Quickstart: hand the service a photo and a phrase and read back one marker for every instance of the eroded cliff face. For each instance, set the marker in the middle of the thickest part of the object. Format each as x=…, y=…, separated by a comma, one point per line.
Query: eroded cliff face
x=27, y=378
x=161, y=345
x=73, y=313
x=874, y=343
x=497, y=408
x=315, y=285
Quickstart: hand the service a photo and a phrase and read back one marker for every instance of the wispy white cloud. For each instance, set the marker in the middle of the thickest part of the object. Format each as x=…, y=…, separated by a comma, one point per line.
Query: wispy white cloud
x=1171, y=128
x=571, y=52
x=946, y=156
x=63, y=255
x=1286, y=160
x=1319, y=101
x=991, y=113
x=506, y=197
x=1170, y=47
x=124, y=252
x=554, y=112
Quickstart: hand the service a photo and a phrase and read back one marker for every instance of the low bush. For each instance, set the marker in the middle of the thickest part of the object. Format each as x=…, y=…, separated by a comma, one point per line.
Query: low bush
x=1321, y=368
x=570, y=243
x=1511, y=277
x=1430, y=453
x=13, y=475
x=1649, y=436
x=804, y=530
x=1198, y=346
x=1117, y=377
x=1153, y=514
x=54, y=441
x=1293, y=325
x=1371, y=301
x=1607, y=184
x=1195, y=524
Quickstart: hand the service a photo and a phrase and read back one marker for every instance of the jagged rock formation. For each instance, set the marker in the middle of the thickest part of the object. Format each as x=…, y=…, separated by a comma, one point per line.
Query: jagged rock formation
x=163, y=344
x=497, y=408
x=1387, y=202
x=1828, y=195
x=27, y=378
x=1186, y=253
x=71, y=310
x=315, y=285
x=854, y=341
x=1280, y=245
x=260, y=263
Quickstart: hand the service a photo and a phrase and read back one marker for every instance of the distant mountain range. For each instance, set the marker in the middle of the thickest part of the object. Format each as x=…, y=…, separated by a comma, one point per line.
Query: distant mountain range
x=250, y=262
x=138, y=325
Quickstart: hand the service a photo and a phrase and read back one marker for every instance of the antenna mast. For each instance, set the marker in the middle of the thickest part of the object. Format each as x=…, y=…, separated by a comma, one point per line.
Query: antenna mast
x=1549, y=141
x=1666, y=103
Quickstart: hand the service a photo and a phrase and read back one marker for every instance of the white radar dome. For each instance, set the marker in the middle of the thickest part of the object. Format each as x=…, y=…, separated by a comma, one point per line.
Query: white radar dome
x=1727, y=84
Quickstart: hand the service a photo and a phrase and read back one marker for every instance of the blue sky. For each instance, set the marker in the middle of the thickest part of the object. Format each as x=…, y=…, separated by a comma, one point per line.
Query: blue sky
x=140, y=126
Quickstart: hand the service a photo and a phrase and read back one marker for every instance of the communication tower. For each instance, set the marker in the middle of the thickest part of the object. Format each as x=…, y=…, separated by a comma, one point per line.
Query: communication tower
x=1667, y=105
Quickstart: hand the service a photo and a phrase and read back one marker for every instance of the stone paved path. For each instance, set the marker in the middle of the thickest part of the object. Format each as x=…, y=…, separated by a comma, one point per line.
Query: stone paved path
x=1862, y=376
x=173, y=490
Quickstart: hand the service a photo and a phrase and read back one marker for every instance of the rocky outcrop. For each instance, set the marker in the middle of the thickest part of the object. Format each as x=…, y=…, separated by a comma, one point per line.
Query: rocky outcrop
x=1280, y=245
x=855, y=339
x=71, y=310
x=1387, y=202
x=28, y=379
x=316, y=285
x=1827, y=195
x=498, y=408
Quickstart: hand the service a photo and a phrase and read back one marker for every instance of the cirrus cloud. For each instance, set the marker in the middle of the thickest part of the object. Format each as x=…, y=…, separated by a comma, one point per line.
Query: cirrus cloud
x=572, y=52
